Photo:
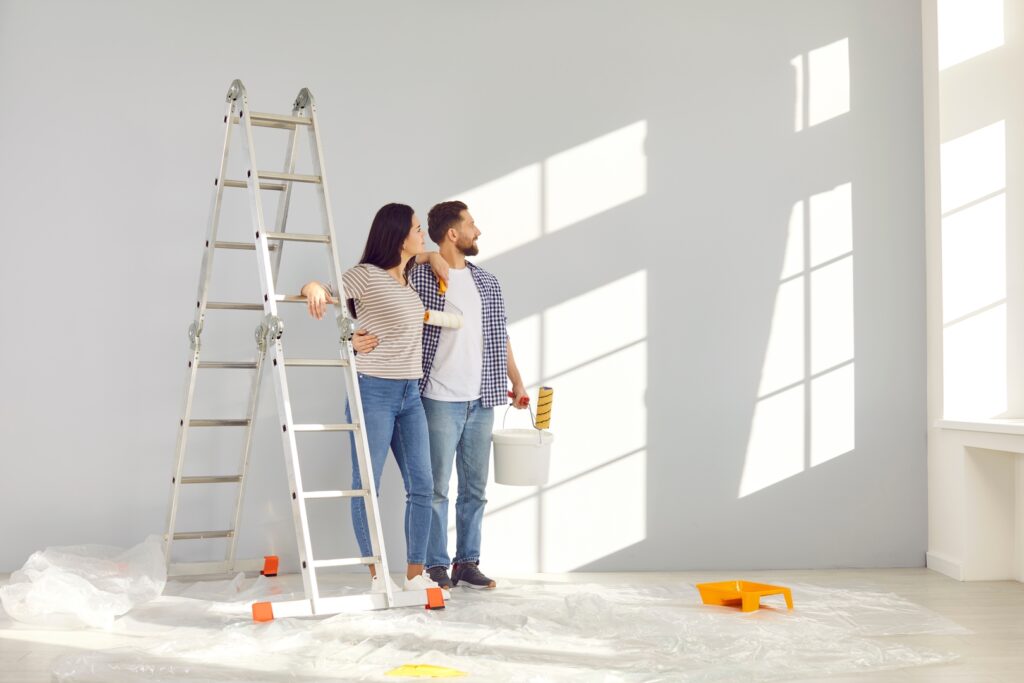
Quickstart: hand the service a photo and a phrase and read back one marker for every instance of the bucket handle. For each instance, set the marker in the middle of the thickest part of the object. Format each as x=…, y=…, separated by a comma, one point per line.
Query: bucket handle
x=533, y=422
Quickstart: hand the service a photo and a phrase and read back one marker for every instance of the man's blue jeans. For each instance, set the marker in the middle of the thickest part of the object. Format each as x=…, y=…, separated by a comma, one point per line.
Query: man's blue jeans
x=394, y=417
x=460, y=431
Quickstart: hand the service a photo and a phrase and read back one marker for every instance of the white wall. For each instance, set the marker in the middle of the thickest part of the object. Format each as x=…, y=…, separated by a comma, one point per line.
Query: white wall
x=972, y=56
x=707, y=218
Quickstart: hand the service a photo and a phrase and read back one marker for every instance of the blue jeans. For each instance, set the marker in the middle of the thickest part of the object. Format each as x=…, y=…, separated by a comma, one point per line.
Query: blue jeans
x=394, y=417
x=460, y=431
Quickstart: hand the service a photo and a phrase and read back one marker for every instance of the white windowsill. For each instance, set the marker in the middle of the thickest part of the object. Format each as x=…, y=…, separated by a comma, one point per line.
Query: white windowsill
x=993, y=426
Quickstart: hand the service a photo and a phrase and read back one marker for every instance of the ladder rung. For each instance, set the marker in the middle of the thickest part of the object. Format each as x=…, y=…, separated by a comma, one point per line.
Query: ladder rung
x=344, y=562
x=196, y=535
x=298, y=237
x=293, y=177
x=218, y=423
x=240, y=245
x=228, y=364
x=316, y=363
x=230, y=479
x=325, y=427
x=259, y=118
x=290, y=299
x=235, y=306
x=280, y=187
x=356, y=493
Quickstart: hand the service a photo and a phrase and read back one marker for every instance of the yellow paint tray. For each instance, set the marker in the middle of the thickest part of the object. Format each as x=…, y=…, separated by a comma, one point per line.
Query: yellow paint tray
x=744, y=594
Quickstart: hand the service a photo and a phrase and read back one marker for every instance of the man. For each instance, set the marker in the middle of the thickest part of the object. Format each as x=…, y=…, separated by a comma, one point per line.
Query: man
x=464, y=377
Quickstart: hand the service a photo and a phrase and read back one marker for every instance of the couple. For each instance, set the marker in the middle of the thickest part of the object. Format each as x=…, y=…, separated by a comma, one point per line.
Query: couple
x=427, y=392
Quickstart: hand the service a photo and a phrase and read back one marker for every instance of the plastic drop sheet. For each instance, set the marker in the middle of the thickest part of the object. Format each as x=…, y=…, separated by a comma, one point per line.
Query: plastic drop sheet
x=84, y=585
x=523, y=631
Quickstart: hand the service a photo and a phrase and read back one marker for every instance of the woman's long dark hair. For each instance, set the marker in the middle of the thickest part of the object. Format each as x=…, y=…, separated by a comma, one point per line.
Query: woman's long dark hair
x=388, y=231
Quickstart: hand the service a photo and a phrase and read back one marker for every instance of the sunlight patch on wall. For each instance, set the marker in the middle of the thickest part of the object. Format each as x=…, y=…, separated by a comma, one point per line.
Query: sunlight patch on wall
x=559, y=191
x=805, y=412
x=507, y=210
x=832, y=414
x=968, y=28
x=594, y=516
x=596, y=176
x=775, y=450
x=595, y=323
x=974, y=258
x=974, y=365
x=784, y=359
x=973, y=166
x=831, y=315
x=592, y=349
x=974, y=274
x=828, y=77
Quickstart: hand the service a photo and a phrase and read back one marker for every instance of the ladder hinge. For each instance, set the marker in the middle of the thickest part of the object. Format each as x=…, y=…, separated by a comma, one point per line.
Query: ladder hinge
x=194, y=330
x=268, y=331
x=346, y=328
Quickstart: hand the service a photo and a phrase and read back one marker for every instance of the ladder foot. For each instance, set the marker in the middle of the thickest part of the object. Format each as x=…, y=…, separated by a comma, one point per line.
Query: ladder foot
x=435, y=599
x=262, y=611
x=269, y=565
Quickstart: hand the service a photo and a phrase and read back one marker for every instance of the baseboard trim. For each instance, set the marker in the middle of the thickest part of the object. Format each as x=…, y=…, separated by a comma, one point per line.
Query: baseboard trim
x=945, y=565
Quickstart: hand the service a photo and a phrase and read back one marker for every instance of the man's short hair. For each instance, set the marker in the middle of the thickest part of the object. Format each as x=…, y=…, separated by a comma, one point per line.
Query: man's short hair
x=442, y=217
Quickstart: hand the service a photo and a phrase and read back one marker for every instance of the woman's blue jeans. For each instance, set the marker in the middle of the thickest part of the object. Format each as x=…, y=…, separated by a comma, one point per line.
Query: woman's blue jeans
x=393, y=416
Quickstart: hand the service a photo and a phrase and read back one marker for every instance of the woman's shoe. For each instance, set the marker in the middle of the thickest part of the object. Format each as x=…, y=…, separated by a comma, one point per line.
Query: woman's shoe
x=422, y=582
x=377, y=586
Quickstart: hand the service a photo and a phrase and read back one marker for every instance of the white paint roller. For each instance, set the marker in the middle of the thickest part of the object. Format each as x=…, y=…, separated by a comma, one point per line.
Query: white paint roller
x=442, y=319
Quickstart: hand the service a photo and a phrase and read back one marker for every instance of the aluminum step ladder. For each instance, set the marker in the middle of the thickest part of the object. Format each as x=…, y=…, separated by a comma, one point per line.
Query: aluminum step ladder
x=269, y=341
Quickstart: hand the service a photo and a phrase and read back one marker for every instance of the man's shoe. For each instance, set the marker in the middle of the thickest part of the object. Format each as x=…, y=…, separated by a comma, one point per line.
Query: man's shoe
x=469, y=575
x=439, y=575
x=421, y=582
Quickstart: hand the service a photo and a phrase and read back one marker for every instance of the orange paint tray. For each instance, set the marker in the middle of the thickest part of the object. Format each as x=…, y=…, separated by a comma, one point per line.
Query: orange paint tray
x=744, y=594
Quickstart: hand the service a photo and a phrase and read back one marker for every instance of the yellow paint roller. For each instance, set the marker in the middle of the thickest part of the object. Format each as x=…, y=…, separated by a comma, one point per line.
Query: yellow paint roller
x=542, y=420
x=544, y=398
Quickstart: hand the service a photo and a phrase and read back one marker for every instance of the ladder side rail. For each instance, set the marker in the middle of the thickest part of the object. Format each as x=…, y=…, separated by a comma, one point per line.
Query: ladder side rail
x=243, y=466
x=284, y=203
x=195, y=331
x=261, y=342
x=345, y=349
x=274, y=331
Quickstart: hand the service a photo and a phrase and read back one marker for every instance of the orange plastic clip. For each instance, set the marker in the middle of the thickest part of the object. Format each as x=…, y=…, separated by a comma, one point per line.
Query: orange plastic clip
x=525, y=400
x=269, y=565
x=435, y=599
x=442, y=286
x=262, y=611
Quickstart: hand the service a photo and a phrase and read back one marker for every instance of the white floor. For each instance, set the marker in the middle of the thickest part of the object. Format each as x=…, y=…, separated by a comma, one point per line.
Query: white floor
x=853, y=625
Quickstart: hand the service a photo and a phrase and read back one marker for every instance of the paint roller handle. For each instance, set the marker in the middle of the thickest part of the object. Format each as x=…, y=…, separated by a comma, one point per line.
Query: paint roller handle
x=524, y=401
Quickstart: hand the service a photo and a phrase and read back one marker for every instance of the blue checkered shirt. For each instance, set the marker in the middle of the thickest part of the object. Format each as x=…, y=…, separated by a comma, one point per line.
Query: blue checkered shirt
x=494, y=378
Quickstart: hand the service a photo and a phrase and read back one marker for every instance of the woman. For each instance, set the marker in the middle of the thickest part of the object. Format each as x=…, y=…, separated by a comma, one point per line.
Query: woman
x=388, y=308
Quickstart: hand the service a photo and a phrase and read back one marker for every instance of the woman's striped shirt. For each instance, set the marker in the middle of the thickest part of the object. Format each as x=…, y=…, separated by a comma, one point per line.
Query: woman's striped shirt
x=394, y=314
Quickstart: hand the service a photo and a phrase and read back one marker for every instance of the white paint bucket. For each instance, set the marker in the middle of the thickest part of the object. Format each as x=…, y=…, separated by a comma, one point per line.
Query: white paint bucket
x=522, y=457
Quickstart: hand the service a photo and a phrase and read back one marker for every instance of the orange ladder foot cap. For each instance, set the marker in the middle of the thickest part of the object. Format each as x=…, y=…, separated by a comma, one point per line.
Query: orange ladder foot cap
x=435, y=599
x=262, y=611
x=269, y=565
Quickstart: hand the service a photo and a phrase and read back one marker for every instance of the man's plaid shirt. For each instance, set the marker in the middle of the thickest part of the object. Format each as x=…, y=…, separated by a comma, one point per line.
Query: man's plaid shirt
x=494, y=379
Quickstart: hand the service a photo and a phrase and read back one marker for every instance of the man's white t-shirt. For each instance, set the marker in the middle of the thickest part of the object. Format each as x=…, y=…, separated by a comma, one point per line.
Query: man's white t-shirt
x=456, y=373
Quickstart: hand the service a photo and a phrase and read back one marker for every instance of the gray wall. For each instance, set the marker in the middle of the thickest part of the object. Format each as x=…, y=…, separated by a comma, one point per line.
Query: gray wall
x=110, y=126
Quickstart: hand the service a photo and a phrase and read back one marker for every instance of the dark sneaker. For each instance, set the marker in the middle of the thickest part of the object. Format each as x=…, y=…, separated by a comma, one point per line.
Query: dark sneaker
x=439, y=575
x=469, y=575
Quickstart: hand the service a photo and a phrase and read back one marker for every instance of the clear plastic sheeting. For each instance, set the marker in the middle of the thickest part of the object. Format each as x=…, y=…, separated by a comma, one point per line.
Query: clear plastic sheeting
x=84, y=585
x=523, y=631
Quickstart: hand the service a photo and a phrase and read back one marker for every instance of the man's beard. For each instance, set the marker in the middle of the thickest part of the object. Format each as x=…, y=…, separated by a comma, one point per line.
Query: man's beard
x=469, y=249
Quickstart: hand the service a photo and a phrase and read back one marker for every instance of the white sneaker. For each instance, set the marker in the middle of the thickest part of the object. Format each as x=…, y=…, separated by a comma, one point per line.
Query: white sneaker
x=377, y=586
x=422, y=582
